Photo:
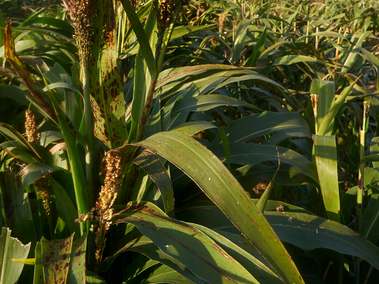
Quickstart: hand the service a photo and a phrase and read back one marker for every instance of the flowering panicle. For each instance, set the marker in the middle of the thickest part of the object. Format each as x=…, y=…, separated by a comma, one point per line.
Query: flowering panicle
x=31, y=130
x=81, y=13
x=108, y=194
x=221, y=21
x=42, y=184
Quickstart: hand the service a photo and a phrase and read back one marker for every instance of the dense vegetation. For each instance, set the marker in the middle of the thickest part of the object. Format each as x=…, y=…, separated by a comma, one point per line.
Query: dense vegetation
x=189, y=141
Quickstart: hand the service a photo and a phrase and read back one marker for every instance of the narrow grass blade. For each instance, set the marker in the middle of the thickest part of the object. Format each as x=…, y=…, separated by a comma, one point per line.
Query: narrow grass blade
x=142, y=38
x=292, y=59
x=258, y=49
x=240, y=37
x=142, y=93
x=325, y=151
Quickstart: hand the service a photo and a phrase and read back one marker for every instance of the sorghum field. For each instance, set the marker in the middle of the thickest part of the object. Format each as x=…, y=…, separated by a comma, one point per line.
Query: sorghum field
x=189, y=141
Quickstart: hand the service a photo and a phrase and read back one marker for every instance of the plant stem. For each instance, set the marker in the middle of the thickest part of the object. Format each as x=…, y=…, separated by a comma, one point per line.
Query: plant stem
x=88, y=128
x=358, y=226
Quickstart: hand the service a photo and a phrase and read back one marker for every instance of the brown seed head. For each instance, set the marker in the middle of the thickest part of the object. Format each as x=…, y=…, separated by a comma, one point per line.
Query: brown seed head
x=31, y=130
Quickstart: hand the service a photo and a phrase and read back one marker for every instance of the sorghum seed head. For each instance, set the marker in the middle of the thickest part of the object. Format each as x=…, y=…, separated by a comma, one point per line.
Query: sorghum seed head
x=31, y=129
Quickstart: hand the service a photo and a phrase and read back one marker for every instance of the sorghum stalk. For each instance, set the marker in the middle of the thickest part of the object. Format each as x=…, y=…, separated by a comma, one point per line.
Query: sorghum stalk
x=42, y=185
x=81, y=13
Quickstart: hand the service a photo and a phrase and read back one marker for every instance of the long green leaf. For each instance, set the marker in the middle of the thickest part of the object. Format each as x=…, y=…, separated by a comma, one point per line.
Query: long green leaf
x=253, y=265
x=75, y=166
x=250, y=154
x=142, y=93
x=217, y=182
x=33, y=172
x=139, y=243
x=142, y=38
x=253, y=126
x=311, y=232
x=326, y=99
x=336, y=107
x=326, y=161
x=188, y=245
x=204, y=103
x=292, y=59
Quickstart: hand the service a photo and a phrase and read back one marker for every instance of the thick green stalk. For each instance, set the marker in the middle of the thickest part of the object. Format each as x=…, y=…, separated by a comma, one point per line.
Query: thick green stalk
x=75, y=167
x=88, y=128
x=359, y=211
x=358, y=218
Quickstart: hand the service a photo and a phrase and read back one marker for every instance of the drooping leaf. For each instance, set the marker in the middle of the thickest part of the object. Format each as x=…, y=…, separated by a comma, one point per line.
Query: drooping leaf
x=204, y=103
x=136, y=242
x=253, y=126
x=9, y=130
x=251, y=154
x=188, y=245
x=34, y=88
x=216, y=181
x=311, y=232
x=33, y=172
x=253, y=265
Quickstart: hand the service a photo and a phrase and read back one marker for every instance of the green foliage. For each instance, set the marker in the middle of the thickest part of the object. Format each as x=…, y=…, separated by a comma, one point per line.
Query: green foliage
x=190, y=142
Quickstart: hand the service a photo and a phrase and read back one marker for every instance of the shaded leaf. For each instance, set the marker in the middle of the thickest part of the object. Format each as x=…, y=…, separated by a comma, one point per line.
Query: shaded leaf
x=185, y=243
x=151, y=164
x=11, y=248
